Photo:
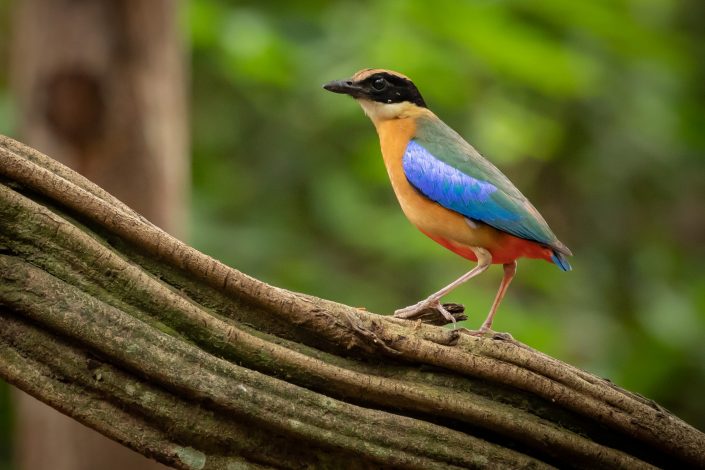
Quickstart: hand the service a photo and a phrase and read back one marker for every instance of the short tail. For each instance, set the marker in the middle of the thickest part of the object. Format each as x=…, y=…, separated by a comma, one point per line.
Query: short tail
x=561, y=260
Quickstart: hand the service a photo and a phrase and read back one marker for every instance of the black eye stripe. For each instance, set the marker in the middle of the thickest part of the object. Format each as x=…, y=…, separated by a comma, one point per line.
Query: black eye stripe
x=391, y=79
x=388, y=88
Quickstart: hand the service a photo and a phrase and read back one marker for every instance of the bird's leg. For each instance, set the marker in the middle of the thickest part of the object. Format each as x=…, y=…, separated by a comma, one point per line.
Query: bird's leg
x=510, y=270
x=484, y=259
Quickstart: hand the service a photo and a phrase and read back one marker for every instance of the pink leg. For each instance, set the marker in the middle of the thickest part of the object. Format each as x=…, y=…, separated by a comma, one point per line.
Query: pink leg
x=484, y=259
x=510, y=270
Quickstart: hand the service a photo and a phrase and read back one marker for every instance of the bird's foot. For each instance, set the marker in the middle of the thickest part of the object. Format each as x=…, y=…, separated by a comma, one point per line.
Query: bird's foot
x=487, y=332
x=483, y=331
x=423, y=308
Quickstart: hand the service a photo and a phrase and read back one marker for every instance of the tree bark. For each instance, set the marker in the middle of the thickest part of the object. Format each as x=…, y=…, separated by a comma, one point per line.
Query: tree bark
x=100, y=87
x=171, y=353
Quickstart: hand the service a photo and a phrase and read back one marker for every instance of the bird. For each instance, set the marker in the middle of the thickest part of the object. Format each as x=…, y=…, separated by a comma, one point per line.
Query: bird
x=448, y=190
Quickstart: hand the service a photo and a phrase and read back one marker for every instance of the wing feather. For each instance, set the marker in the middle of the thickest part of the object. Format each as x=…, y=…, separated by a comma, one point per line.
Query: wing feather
x=449, y=171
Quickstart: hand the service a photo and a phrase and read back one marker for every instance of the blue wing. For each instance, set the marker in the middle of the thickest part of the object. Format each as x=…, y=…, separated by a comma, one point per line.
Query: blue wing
x=500, y=205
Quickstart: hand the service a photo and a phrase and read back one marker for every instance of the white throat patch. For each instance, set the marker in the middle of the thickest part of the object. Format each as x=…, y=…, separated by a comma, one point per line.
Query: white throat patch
x=384, y=111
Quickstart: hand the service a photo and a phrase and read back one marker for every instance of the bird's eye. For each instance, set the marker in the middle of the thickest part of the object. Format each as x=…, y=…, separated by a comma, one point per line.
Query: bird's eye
x=379, y=84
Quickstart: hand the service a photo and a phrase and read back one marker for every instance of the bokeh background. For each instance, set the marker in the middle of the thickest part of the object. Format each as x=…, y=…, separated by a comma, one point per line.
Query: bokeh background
x=596, y=110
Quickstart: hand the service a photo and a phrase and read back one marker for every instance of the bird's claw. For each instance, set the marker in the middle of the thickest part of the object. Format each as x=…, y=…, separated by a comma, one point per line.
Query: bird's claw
x=486, y=332
x=483, y=331
x=419, y=309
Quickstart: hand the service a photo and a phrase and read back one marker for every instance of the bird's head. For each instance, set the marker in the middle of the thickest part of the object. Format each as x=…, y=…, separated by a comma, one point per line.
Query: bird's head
x=383, y=94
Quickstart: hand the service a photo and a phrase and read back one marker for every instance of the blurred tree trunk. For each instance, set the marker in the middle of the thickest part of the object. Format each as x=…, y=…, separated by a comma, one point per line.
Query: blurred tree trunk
x=100, y=86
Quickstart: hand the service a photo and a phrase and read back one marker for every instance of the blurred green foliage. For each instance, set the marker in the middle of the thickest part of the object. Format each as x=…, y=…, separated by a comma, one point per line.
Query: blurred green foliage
x=596, y=110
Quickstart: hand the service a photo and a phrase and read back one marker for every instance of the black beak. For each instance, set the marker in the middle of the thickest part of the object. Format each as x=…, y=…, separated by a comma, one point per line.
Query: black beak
x=346, y=87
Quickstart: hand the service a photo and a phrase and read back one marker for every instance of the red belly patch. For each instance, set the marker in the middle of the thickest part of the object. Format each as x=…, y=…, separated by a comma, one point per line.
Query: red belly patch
x=507, y=249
